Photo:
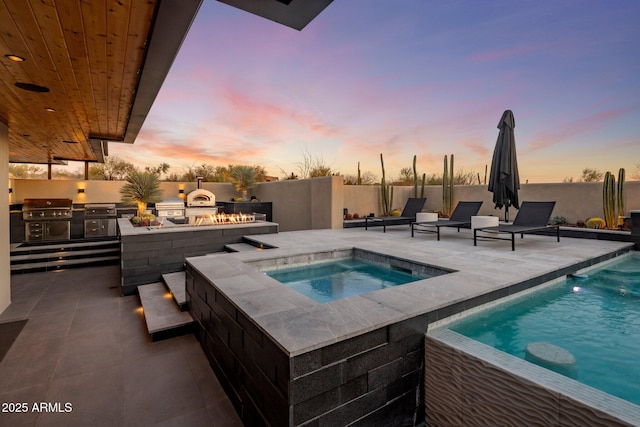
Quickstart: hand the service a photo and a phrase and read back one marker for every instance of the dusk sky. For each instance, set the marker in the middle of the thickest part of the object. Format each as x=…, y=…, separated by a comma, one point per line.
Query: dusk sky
x=404, y=77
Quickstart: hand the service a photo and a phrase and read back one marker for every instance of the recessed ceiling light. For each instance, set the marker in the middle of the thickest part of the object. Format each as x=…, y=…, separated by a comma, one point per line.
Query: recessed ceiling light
x=50, y=110
x=32, y=87
x=69, y=141
x=15, y=58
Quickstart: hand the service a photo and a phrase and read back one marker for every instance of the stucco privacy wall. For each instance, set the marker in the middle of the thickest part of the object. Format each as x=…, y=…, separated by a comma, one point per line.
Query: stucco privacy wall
x=574, y=201
x=318, y=203
x=5, y=274
x=305, y=204
x=105, y=191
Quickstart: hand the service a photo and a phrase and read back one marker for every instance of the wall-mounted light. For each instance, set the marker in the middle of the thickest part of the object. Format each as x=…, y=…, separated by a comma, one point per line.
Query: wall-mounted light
x=181, y=191
x=10, y=190
x=80, y=190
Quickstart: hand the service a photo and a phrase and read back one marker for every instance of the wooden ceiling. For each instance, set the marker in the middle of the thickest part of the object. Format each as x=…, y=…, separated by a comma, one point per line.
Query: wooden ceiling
x=92, y=56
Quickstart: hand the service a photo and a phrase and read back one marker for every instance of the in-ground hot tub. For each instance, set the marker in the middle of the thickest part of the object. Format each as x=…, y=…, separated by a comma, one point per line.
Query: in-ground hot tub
x=356, y=272
x=285, y=359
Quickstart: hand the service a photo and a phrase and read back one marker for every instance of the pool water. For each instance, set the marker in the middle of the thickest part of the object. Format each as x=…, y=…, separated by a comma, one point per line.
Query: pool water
x=334, y=280
x=597, y=319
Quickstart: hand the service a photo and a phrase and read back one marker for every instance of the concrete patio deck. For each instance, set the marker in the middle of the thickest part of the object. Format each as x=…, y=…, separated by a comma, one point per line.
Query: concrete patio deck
x=85, y=345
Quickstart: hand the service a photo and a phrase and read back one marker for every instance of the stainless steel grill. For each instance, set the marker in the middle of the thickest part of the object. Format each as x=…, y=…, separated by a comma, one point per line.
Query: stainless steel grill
x=47, y=219
x=172, y=208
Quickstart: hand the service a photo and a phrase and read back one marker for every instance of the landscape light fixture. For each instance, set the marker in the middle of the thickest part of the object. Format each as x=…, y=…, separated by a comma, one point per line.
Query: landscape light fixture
x=80, y=190
x=15, y=58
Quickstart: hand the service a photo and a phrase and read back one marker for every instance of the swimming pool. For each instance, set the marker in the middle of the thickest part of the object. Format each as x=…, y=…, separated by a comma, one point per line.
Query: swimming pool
x=595, y=318
x=343, y=278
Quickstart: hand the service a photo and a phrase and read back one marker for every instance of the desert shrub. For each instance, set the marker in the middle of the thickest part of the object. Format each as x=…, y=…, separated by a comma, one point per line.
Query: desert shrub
x=558, y=220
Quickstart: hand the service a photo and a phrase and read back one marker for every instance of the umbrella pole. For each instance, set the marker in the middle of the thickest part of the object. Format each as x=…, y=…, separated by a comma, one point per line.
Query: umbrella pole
x=506, y=213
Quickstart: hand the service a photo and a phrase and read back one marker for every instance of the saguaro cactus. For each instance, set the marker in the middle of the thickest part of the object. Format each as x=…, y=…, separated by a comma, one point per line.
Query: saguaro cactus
x=415, y=178
x=609, y=200
x=386, y=192
x=620, y=195
x=447, y=187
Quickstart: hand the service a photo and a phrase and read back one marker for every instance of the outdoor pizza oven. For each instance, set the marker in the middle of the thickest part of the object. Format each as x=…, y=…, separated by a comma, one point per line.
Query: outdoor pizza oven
x=201, y=197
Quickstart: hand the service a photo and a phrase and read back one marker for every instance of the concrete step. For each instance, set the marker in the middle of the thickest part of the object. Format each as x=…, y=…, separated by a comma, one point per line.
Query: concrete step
x=240, y=247
x=34, y=248
x=175, y=283
x=164, y=319
x=63, y=264
x=30, y=258
x=59, y=255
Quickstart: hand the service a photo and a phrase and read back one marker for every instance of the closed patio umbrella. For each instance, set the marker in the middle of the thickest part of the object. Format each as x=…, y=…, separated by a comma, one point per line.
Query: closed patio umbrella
x=504, y=181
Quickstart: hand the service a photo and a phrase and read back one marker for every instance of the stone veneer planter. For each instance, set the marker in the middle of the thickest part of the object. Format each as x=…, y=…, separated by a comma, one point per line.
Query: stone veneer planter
x=146, y=253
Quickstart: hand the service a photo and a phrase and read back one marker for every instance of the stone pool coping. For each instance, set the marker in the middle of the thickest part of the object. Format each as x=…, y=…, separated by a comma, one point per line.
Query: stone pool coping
x=299, y=325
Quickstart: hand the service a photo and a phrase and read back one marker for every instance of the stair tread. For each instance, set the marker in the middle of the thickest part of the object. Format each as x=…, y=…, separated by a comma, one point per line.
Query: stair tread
x=241, y=247
x=54, y=255
x=176, y=284
x=160, y=312
x=62, y=262
x=27, y=248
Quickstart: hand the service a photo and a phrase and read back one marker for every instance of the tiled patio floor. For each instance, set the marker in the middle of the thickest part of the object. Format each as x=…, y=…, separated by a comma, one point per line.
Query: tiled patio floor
x=85, y=345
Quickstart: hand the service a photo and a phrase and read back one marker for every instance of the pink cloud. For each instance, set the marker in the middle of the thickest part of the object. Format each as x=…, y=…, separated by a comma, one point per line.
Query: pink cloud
x=566, y=130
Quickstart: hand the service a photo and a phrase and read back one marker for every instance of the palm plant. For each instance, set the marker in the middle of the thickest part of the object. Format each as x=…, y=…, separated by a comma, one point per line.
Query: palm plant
x=141, y=188
x=244, y=178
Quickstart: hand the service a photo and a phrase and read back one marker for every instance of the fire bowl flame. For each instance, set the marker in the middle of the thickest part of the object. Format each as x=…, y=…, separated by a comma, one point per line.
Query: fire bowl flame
x=222, y=219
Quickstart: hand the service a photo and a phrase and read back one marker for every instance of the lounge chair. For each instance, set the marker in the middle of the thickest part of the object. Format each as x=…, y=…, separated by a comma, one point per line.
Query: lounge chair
x=531, y=218
x=460, y=218
x=408, y=215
